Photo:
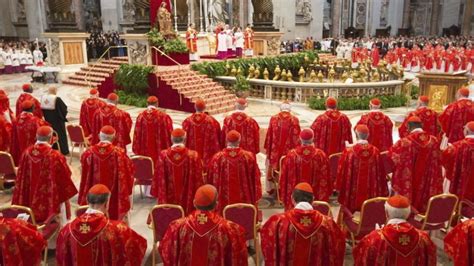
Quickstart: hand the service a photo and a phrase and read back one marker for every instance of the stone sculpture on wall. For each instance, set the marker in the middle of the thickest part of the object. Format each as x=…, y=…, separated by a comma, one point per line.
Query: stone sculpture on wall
x=128, y=8
x=20, y=8
x=303, y=11
x=217, y=11
x=60, y=11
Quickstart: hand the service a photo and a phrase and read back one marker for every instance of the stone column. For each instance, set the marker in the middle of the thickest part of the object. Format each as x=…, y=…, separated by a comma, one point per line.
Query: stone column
x=336, y=17
x=35, y=17
x=466, y=21
x=434, y=17
x=406, y=14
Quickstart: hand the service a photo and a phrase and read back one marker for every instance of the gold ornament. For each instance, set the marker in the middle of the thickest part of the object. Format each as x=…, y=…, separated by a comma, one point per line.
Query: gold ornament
x=331, y=74
x=256, y=73
x=283, y=75
x=312, y=76
x=266, y=74
x=301, y=74
x=277, y=73
x=251, y=70
x=233, y=72
x=320, y=76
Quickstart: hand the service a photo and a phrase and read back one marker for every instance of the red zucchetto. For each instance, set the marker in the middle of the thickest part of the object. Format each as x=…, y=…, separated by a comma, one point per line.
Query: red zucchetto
x=107, y=130
x=303, y=186
x=464, y=91
x=99, y=189
x=399, y=202
x=200, y=104
x=306, y=134
x=152, y=100
x=178, y=133
x=470, y=126
x=44, y=131
x=414, y=119
x=112, y=97
x=205, y=195
x=233, y=136
x=242, y=101
x=375, y=102
x=363, y=129
x=331, y=102
x=424, y=99
x=93, y=92
x=27, y=105
x=26, y=87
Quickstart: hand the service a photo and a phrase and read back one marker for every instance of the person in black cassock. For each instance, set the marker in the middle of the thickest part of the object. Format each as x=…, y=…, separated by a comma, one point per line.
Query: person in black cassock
x=55, y=112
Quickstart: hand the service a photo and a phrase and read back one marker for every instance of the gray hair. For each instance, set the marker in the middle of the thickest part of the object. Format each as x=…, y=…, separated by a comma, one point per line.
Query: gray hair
x=397, y=213
x=106, y=137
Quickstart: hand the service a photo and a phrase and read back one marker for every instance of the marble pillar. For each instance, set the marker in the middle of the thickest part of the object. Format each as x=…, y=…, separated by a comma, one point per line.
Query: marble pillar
x=7, y=28
x=406, y=14
x=435, y=10
x=336, y=6
x=109, y=14
x=466, y=21
x=35, y=17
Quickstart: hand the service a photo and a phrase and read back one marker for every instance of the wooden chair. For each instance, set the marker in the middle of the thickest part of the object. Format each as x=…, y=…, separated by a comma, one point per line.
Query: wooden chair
x=144, y=170
x=245, y=215
x=333, y=165
x=371, y=214
x=8, y=170
x=439, y=213
x=276, y=179
x=323, y=207
x=81, y=210
x=48, y=228
x=161, y=217
x=77, y=139
x=466, y=209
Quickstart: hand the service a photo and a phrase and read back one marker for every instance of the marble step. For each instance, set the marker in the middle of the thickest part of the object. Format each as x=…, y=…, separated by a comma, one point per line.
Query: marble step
x=80, y=83
x=93, y=73
x=98, y=69
x=90, y=78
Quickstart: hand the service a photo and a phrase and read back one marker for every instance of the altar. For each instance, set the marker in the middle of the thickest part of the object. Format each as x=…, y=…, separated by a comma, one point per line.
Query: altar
x=441, y=88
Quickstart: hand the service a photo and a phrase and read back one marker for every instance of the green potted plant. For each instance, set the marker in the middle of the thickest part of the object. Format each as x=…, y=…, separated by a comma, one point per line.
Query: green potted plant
x=133, y=78
x=241, y=86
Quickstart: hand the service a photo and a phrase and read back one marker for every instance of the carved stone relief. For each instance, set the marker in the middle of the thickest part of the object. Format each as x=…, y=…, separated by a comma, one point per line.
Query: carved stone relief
x=60, y=11
x=303, y=11
x=20, y=11
x=54, y=53
x=138, y=52
x=361, y=9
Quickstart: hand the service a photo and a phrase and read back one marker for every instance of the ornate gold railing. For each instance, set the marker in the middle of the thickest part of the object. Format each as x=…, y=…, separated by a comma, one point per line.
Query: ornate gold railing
x=302, y=91
x=101, y=58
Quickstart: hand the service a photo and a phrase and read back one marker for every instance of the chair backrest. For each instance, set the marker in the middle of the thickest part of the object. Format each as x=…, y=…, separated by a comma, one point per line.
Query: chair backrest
x=371, y=214
x=161, y=217
x=7, y=166
x=387, y=162
x=12, y=211
x=143, y=169
x=440, y=208
x=466, y=208
x=244, y=215
x=81, y=210
x=322, y=206
x=262, y=135
x=333, y=164
x=76, y=133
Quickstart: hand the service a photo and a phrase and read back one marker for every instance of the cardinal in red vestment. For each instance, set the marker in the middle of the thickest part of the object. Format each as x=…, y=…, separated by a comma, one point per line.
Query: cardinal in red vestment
x=360, y=174
x=94, y=239
x=380, y=126
x=44, y=179
x=417, y=166
x=152, y=131
x=282, y=136
x=21, y=243
x=110, y=115
x=202, y=133
x=204, y=237
x=331, y=129
x=235, y=174
x=428, y=117
x=302, y=236
x=7, y=119
x=456, y=115
x=24, y=131
x=458, y=243
x=398, y=242
x=27, y=96
x=458, y=160
x=178, y=173
x=305, y=163
x=88, y=107
x=105, y=163
x=245, y=125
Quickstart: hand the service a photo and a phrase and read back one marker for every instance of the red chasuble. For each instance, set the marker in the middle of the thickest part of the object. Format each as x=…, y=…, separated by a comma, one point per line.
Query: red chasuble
x=458, y=160
x=203, y=238
x=28, y=97
x=305, y=164
x=20, y=243
x=396, y=245
x=429, y=120
x=6, y=129
x=202, y=135
x=417, y=174
x=455, y=117
x=282, y=136
x=248, y=129
x=110, y=115
x=458, y=243
x=152, y=133
x=88, y=108
x=331, y=130
x=43, y=181
x=109, y=165
x=93, y=239
x=24, y=133
x=302, y=238
x=380, y=129
x=178, y=174
x=235, y=174
x=360, y=176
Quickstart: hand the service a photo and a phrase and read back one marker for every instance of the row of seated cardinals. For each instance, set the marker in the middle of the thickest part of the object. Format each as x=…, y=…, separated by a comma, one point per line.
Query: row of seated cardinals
x=181, y=169
x=299, y=236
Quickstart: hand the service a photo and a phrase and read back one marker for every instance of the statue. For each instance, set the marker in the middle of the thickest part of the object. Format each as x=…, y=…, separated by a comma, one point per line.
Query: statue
x=128, y=10
x=331, y=74
x=277, y=73
x=283, y=75
x=251, y=71
x=312, y=76
x=301, y=74
x=289, y=76
x=216, y=11
x=266, y=74
x=233, y=72
x=256, y=74
x=375, y=75
x=164, y=19
x=344, y=76
x=320, y=76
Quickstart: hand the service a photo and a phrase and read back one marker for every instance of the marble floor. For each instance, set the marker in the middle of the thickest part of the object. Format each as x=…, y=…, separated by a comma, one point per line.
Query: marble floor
x=259, y=109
